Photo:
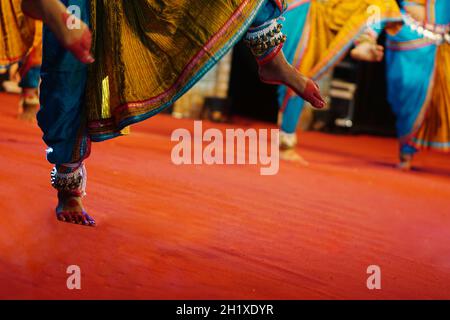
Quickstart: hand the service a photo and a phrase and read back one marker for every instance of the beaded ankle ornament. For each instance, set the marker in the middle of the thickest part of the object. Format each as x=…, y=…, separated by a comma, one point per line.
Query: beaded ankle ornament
x=265, y=41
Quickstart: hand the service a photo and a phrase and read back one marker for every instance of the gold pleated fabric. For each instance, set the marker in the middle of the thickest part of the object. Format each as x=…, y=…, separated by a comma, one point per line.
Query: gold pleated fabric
x=434, y=132
x=148, y=52
x=17, y=32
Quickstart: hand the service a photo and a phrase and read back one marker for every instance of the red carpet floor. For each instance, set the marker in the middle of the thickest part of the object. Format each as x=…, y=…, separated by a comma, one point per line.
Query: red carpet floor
x=225, y=232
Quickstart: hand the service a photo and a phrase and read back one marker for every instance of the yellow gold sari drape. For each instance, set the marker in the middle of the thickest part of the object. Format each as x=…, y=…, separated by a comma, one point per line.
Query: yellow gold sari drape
x=150, y=52
x=18, y=34
x=435, y=129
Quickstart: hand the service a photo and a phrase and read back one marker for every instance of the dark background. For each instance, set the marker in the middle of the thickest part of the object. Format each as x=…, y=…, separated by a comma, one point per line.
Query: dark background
x=253, y=99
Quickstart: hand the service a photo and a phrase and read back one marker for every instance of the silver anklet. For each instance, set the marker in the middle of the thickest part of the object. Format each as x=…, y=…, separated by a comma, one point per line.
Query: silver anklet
x=264, y=38
x=72, y=182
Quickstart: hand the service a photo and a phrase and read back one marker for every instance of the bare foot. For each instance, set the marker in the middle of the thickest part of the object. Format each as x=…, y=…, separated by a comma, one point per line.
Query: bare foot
x=70, y=181
x=405, y=163
x=404, y=166
x=29, y=105
x=11, y=87
x=70, y=209
x=292, y=155
x=279, y=72
x=28, y=113
x=288, y=142
x=71, y=32
x=366, y=51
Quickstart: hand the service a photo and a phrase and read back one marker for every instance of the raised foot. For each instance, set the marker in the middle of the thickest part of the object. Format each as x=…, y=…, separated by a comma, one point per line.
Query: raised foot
x=279, y=72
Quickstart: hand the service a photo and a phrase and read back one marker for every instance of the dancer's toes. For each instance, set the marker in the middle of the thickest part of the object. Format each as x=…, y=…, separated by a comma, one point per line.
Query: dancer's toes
x=279, y=72
x=312, y=95
x=61, y=217
x=292, y=155
x=87, y=220
x=404, y=166
x=77, y=217
x=405, y=163
x=81, y=218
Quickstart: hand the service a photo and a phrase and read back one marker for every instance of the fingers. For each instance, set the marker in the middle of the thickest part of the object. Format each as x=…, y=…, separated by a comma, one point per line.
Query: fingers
x=86, y=57
x=354, y=54
x=82, y=48
x=87, y=45
x=368, y=52
x=377, y=50
x=77, y=40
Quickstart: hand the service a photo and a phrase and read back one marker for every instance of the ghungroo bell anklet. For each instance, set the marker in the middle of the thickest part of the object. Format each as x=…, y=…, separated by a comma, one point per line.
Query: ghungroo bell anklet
x=72, y=182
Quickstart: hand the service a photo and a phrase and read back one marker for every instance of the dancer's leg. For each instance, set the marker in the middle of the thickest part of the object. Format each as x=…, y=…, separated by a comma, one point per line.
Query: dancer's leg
x=70, y=181
x=30, y=95
x=69, y=29
x=288, y=135
x=265, y=39
x=62, y=122
x=407, y=153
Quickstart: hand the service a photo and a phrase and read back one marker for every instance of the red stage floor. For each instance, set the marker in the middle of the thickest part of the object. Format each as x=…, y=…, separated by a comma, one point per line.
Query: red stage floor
x=170, y=232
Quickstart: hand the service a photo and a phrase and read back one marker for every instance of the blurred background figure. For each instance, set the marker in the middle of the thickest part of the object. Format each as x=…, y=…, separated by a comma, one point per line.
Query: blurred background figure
x=21, y=55
x=406, y=94
x=322, y=32
x=418, y=76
